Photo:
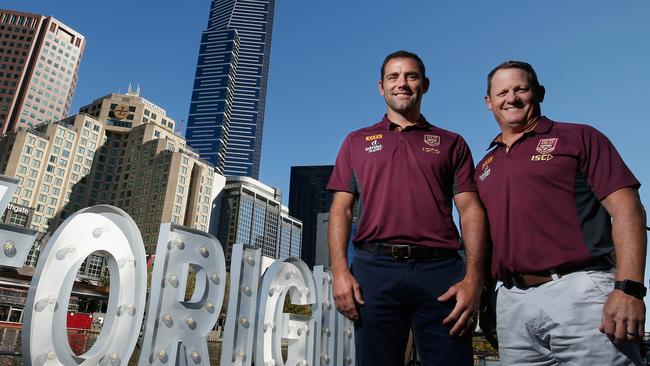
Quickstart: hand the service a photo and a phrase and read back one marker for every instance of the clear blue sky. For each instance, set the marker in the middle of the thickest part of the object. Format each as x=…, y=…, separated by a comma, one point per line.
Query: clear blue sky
x=593, y=56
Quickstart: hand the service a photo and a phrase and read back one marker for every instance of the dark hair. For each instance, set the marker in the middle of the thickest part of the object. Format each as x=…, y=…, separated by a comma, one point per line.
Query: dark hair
x=404, y=54
x=532, y=76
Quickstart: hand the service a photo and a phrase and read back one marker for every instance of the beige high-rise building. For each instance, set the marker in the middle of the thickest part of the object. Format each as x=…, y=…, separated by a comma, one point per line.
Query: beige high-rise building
x=145, y=168
x=39, y=62
x=50, y=160
x=120, y=150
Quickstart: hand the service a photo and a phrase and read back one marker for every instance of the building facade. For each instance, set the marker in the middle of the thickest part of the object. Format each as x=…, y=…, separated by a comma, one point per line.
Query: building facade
x=226, y=117
x=322, y=249
x=146, y=169
x=291, y=232
x=252, y=213
x=50, y=159
x=119, y=150
x=308, y=196
x=39, y=62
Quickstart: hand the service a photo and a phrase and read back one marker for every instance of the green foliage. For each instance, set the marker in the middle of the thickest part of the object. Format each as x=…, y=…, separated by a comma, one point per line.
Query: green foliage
x=295, y=309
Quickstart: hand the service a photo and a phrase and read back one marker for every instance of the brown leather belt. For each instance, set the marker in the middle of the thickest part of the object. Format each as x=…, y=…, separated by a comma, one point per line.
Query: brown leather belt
x=406, y=251
x=526, y=280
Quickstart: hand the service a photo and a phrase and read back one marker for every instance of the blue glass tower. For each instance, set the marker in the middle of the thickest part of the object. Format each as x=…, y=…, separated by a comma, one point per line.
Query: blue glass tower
x=226, y=118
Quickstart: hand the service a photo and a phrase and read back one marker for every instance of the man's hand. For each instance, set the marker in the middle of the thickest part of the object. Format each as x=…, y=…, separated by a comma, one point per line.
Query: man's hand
x=467, y=294
x=624, y=315
x=345, y=288
x=623, y=318
x=347, y=293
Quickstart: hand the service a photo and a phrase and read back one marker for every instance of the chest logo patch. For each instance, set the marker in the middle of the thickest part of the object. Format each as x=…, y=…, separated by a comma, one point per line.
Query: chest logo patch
x=374, y=146
x=486, y=172
x=546, y=146
x=486, y=168
x=374, y=137
x=432, y=140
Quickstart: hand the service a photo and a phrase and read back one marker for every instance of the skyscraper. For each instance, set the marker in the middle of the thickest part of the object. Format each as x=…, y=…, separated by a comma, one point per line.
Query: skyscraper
x=308, y=196
x=144, y=168
x=252, y=213
x=39, y=61
x=226, y=117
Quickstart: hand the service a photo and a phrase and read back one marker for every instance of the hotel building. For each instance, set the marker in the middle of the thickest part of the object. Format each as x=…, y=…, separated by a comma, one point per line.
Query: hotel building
x=39, y=62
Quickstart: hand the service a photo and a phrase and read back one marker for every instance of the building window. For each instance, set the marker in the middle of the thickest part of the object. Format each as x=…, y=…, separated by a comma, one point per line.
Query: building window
x=32, y=257
x=18, y=219
x=95, y=263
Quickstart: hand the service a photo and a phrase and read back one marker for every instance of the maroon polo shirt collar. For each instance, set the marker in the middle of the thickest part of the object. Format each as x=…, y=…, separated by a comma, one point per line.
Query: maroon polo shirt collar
x=421, y=124
x=543, y=125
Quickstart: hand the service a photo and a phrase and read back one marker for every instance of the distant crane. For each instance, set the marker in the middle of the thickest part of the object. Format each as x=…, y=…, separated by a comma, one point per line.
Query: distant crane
x=179, y=128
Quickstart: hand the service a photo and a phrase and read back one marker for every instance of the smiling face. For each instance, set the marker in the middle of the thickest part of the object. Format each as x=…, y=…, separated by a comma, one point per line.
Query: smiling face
x=513, y=100
x=403, y=86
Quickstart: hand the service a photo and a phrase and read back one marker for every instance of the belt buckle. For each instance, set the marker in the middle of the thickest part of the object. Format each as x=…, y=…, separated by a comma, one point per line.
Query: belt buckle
x=514, y=280
x=518, y=281
x=397, y=250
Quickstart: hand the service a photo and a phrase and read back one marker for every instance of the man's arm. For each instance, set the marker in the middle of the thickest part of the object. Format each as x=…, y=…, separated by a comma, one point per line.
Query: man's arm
x=468, y=291
x=345, y=288
x=624, y=315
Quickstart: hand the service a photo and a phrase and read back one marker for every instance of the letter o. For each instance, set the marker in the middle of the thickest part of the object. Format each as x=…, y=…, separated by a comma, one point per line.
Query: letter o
x=102, y=228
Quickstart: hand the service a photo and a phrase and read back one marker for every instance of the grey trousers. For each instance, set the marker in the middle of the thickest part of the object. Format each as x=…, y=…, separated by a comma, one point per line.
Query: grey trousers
x=557, y=323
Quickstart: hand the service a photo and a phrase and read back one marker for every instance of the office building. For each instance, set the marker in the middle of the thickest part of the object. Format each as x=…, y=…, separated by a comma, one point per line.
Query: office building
x=308, y=196
x=119, y=150
x=252, y=214
x=322, y=257
x=291, y=232
x=50, y=159
x=226, y=116
x=39, y=61
x=146, y=169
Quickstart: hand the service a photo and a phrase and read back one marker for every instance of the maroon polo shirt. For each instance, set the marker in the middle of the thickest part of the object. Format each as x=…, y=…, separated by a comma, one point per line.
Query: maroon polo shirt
x=404, y=182
x=543, y=197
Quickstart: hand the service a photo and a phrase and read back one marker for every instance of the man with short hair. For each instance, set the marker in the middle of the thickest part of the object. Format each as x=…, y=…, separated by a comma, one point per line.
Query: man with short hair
x=559, y=200
x=406, y=274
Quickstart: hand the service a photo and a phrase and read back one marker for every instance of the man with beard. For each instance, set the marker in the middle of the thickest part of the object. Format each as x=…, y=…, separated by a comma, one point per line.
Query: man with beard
x=403, y=173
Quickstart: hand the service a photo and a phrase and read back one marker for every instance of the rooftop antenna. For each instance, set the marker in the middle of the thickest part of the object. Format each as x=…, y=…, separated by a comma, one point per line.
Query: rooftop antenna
x=132, y=92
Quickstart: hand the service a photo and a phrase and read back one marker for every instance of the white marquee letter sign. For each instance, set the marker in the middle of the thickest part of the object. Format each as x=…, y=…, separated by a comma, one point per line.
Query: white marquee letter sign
x=15, y=241
x=237, y=346
x=112, y=232
x=289, y=277
x=325, y=336
x=176, y=330
x=344, y=341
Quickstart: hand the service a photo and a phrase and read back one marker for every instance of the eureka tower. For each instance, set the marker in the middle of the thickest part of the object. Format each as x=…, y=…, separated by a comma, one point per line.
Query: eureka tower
x=226, y=117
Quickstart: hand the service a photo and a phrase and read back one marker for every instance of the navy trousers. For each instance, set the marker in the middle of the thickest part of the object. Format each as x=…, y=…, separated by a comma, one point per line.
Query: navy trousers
x=401, y=295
